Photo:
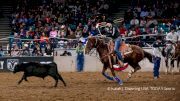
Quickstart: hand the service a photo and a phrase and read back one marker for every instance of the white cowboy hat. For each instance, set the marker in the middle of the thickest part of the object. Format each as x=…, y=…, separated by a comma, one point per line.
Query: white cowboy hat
x=63, y=26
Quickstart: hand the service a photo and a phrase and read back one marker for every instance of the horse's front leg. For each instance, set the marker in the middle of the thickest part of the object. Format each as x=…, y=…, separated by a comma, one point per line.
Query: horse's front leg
x=106, y=75
x=120, y=82
x=167, y=66
x=172, y=66
x=178, y=60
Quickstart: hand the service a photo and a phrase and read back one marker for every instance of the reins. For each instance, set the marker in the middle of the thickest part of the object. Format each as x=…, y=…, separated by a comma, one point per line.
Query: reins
x=107, y=55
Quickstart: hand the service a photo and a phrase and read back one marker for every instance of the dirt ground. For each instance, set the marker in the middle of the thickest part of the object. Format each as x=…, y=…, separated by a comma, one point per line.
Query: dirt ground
x=91, y=86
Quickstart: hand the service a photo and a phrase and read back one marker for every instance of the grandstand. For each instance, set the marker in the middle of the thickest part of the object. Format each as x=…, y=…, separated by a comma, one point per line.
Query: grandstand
x=64, y=22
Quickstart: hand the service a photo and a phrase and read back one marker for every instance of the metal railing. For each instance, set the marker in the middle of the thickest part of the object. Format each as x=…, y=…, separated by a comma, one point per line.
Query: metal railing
x=69, y=44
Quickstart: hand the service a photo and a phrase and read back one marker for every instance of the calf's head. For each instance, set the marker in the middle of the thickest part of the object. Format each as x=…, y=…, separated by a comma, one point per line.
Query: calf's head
x=18, y=68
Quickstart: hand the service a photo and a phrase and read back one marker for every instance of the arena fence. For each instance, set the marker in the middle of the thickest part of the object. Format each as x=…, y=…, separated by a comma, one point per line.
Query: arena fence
x=70, y=44
x=68, y=63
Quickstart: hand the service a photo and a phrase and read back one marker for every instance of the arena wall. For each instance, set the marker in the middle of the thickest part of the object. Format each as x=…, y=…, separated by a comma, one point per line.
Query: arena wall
x=92, y=63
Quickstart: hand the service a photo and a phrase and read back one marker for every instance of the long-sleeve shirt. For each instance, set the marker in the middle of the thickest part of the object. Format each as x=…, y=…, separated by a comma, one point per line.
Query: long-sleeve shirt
x=80, y=49
x=157, y=49
x=178, y=34
x=172, y=37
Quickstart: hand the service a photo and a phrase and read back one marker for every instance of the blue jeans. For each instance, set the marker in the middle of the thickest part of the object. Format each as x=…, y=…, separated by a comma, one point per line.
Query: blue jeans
x=80, y=62
x=157, y=61
x=116, y=48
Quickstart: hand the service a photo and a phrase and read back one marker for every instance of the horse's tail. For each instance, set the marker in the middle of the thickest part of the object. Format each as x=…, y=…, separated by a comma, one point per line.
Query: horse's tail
x=149, y=56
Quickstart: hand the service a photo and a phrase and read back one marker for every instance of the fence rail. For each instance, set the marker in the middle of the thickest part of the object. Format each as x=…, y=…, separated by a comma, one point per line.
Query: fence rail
x=70, y=44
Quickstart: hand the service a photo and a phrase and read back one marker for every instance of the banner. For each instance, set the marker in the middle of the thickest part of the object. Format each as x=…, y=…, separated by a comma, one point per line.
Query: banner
x=8, y=63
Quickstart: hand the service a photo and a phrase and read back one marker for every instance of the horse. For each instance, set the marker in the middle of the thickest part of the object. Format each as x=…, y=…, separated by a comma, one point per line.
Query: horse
x=172, y=55
x=176, y=55
x=132, y=58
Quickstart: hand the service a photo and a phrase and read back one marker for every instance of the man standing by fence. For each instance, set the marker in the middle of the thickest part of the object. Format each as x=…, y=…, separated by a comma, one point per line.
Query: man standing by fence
x=80, y=56
x=157, y=57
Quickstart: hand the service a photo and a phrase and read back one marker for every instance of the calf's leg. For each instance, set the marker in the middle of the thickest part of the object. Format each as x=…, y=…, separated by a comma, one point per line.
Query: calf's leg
x=23, y=77
x=55, y=77
x=60, y=78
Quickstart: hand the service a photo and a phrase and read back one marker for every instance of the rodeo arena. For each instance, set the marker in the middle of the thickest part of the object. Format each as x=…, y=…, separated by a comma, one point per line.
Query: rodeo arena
x=89, y=50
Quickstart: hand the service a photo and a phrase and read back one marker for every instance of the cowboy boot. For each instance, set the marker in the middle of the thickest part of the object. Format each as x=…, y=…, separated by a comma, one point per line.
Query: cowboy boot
x=121, y=64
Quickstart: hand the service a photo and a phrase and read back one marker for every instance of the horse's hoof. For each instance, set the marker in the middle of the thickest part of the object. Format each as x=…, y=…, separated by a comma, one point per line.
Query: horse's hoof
x=121, y=84
x=127, y=79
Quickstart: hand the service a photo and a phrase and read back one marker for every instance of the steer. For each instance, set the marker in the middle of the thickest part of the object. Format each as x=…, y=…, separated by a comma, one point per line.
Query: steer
x=39, y=70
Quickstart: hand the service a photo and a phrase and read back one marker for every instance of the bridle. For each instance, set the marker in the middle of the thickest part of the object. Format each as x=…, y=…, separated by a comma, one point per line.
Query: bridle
x=97, y=46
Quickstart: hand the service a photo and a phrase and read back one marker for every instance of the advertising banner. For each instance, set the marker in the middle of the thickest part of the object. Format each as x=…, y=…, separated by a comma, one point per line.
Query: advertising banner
x=8, y=63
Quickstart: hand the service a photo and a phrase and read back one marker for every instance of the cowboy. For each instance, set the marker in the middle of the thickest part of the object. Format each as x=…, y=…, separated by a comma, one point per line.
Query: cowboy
x=118, y=40
x=80, y=56
x=171, y=39
x=172, y=36
x=178, y=34
x=157, y=56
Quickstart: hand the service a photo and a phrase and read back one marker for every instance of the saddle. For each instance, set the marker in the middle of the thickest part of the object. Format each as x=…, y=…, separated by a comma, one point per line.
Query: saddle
x=125, y=49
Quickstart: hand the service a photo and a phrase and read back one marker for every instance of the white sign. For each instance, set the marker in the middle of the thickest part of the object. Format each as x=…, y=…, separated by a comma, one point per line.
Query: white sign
x=1, y=64
x=11, y=63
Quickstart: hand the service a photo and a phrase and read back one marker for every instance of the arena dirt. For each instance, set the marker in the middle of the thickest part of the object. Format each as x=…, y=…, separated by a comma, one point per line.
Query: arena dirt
x=91, y=86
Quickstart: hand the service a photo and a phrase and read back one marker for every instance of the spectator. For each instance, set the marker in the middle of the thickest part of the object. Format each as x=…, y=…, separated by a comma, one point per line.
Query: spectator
x=17, y=39
x=62, y=32
x=78, y=32
x=37, y=50
x=137, y=30
x=25, y=50
x=155, y=30
x=132, y=32
x=22, y=33
x=134, y=22
x=142, y=22
x=53, y=33
x=15, y=51
x=43, y=40
x=151, y=22
x=48, y=50
x=123, y=31
x=152, y=13
x=31, y=32
x=144, y=13
x=27, y=37
x=72, y=35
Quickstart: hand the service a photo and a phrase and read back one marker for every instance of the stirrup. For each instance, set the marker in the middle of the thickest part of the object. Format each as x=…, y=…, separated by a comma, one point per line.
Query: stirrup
x=118, y=68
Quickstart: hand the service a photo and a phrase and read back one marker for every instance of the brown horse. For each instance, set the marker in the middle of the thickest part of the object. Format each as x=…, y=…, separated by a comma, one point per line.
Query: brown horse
x=102, y=48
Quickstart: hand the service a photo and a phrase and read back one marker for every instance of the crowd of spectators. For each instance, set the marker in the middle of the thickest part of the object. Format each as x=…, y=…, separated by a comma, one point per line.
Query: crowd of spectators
x=150, y=17
x=55, y=21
